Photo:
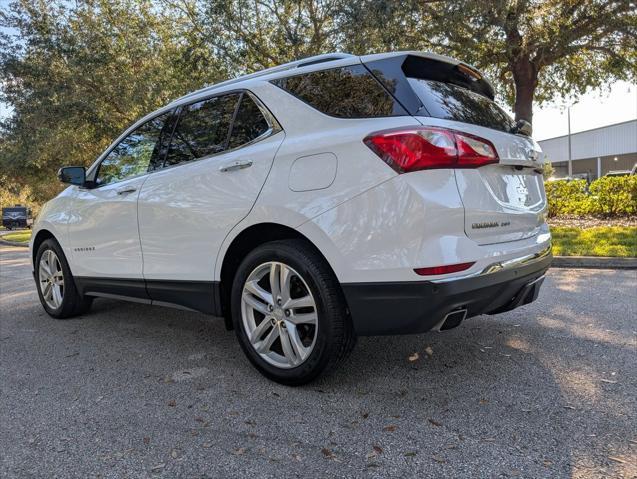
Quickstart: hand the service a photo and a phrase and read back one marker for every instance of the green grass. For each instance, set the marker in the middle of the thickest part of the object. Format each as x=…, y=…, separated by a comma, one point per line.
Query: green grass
x=619, y=241
x=18, y=236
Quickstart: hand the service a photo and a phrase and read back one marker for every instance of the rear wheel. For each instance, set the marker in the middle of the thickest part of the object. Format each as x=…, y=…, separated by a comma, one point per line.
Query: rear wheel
x=289, y=313
x=56, y=287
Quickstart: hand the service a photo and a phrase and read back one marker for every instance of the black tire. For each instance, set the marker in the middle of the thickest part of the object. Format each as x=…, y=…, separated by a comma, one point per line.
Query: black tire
x=335, y=336
x=73, y=303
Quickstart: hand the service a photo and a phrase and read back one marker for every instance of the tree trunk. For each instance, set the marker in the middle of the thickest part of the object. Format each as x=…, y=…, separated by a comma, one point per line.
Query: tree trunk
x=525, y=79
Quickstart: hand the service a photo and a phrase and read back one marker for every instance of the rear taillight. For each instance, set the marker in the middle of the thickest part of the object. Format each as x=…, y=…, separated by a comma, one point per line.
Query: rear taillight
x=413, y=149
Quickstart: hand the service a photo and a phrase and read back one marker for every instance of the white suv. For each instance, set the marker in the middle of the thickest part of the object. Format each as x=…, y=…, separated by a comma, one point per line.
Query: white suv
x=308, y=204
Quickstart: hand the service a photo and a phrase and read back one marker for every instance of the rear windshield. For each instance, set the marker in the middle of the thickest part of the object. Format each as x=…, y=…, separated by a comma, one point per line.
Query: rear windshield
x=452, y=102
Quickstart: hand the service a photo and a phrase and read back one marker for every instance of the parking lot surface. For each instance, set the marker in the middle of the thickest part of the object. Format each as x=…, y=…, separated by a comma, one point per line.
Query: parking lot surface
x=547, y=390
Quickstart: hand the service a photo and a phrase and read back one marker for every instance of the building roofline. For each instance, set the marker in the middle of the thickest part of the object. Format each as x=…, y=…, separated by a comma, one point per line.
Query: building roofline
x=586, y=131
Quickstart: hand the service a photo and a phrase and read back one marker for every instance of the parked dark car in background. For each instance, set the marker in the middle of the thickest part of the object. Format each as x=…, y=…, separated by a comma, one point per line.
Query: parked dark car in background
x=16, y=217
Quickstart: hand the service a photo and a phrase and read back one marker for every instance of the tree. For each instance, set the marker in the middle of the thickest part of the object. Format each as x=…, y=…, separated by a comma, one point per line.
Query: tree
x=534, y=50
x=255, y=34
x=78, y=74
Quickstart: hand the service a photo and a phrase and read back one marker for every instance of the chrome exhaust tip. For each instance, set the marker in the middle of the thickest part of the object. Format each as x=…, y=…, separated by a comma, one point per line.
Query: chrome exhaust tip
x=452, y=319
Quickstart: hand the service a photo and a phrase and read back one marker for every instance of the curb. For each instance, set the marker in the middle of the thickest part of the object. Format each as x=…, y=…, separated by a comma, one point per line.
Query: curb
x=593, y=262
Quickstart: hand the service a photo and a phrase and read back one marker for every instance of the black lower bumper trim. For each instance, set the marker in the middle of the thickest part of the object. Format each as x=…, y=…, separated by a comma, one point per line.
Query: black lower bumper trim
x=416, y=307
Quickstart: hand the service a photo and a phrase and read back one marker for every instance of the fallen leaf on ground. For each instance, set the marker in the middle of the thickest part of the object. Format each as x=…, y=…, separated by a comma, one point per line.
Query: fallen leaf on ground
x=239, y=451
x=435, y=423
x=568, y=407
x=327, y=453
x=429, y=352
x=484, y=401
x=296, y=457
x=608, y=381
x=174, y=453
x=390, y=428
x=414, y=357
x=617, y=459
x=207, y=444
x=409, y=454
x=377, y=449
x=438, y=459
x=146, y=440
x=172, y=403
x=365, y=415
x=158, y=467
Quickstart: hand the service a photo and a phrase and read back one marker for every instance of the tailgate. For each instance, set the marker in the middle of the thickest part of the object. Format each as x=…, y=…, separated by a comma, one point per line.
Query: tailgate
x=503, y=201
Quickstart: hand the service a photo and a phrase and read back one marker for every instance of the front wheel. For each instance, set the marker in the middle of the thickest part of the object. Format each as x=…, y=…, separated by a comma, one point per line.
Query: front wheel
x=56, y=287
x=289, y=313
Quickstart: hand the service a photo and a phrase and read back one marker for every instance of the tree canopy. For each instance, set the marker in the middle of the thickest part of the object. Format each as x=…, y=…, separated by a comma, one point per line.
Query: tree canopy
x=77, y=73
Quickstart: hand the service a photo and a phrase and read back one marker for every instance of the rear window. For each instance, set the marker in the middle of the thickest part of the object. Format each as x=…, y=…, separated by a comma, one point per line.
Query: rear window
x=452, y=102
x=349, y=92
x=249, y=123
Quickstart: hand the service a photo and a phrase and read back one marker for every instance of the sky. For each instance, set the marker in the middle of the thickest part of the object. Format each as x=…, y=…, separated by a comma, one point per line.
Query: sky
x=592, y=110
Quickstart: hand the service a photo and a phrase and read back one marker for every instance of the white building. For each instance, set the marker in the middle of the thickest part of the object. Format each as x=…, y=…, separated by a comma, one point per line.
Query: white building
x=594, y=152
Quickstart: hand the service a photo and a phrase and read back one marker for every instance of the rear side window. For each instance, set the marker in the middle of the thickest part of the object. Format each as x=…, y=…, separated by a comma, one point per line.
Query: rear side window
x=349, y=92
x=202, y=129
x=452, y=102
x=249, y=123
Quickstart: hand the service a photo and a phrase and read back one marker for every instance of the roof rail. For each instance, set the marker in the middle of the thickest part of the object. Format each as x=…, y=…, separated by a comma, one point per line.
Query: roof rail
x=325, y=57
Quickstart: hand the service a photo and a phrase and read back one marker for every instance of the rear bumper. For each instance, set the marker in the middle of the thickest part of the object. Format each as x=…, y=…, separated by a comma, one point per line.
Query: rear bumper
x=417, y=307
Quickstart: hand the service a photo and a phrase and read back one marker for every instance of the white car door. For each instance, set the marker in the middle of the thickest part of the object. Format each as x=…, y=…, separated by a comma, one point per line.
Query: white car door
x=103, y=229
x=221, y=152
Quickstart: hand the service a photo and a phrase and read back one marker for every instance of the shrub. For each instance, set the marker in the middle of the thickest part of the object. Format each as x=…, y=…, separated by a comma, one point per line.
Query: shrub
x=607, y=196
x=567, y=198
x=614, y=195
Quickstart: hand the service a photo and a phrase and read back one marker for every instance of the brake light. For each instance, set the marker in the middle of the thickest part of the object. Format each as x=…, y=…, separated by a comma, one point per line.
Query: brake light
x=449, y=268
x=413, y=149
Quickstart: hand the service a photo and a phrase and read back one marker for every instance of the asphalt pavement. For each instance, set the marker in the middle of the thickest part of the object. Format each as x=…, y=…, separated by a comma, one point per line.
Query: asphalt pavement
x=127, y=390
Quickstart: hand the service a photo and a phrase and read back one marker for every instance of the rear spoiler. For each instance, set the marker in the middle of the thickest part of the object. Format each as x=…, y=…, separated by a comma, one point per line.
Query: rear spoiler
x=392, y=72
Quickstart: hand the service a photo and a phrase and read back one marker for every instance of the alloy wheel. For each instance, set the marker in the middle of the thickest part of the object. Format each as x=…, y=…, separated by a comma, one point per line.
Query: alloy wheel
x=51, y=279
x=279, y=314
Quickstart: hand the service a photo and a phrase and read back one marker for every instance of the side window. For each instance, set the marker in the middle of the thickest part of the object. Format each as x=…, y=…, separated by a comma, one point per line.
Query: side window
x=202, y=129
x=134, y=154
x=248, y=124
x=349, y=92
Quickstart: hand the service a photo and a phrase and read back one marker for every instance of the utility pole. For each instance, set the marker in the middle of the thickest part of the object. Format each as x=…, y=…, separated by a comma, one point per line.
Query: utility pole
x=570, y=157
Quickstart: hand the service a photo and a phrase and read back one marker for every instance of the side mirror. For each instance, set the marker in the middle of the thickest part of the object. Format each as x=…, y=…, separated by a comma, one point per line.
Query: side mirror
x=74, y=175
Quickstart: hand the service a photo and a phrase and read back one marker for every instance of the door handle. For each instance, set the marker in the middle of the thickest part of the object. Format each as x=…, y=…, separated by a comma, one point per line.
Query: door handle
x=127, y=189
x=235, y=165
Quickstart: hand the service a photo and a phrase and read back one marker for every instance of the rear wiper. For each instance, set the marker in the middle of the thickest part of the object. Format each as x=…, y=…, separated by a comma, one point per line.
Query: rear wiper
x=522, y=126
